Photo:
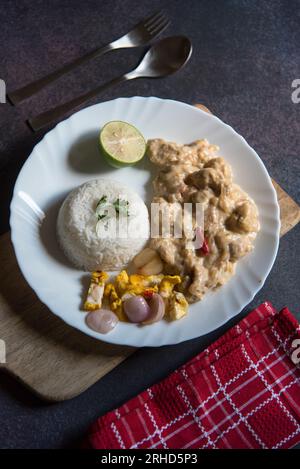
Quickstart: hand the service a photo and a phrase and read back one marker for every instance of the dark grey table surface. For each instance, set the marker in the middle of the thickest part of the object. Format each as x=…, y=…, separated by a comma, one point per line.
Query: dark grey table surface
x=246, y=55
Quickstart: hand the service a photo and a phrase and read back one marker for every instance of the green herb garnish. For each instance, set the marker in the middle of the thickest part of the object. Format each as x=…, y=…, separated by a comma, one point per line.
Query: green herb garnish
x=101, y=208
x=121, y=206
x=101, y=202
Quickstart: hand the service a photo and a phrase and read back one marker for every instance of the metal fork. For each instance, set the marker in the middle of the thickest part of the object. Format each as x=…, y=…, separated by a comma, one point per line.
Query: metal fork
x=141, y=35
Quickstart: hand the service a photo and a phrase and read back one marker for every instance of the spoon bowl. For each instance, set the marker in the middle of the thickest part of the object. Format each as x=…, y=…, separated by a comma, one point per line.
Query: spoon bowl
x=164, y=58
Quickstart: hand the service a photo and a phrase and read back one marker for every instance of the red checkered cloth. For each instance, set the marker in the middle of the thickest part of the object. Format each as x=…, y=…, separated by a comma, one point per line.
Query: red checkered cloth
x=243, y=391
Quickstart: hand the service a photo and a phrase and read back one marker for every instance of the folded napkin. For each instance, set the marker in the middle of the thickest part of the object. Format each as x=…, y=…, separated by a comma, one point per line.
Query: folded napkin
x=243, y=391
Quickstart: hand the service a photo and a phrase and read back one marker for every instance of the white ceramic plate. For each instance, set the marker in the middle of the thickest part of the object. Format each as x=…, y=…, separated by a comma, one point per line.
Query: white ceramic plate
x=68, y=156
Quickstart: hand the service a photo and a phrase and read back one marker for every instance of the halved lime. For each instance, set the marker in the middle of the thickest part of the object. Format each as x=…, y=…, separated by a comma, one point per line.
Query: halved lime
x=122, y=144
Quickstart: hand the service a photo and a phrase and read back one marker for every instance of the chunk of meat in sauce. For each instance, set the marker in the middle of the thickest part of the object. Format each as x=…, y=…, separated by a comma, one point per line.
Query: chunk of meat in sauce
x=231, y=195
x=170, y=181
x=230, y=247
x=206, y=177
x=198, y=287
x=163, y=153
x=170, y=251
x=165, y=216
x=220, y=165
x=243, y=218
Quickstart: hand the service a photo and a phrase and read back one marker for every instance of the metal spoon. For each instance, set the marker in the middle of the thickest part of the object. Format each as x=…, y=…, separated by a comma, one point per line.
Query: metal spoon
x=163, y=58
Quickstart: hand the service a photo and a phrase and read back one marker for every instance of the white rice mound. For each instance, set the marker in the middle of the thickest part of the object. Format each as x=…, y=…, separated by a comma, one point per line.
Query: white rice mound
x=78, y=233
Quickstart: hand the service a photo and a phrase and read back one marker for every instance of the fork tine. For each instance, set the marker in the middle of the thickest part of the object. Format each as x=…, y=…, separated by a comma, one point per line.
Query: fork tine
x=152, y=19
x=157, y=23
x=159, y=27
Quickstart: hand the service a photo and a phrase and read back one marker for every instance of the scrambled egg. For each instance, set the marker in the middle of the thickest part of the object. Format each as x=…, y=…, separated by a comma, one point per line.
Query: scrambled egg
x=177, y=306
x=124, y=286
x=95, y=292
x=115, y=302
x=136, y=284
x=167, y=285
x=175, y=302
x=146, y=280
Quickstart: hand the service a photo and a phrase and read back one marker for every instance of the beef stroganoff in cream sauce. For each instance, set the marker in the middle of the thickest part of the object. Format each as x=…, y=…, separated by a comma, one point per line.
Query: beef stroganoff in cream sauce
x=194, y=174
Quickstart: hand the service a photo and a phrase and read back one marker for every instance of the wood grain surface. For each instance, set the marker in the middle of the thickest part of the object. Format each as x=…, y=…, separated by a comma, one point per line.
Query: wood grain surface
x=48, y=356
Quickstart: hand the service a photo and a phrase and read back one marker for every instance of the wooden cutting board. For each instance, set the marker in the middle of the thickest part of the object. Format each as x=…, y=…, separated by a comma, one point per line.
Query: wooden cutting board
x=48, y=356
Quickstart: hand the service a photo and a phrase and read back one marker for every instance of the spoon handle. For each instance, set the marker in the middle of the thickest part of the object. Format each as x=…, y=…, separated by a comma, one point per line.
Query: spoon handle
x=37, y=122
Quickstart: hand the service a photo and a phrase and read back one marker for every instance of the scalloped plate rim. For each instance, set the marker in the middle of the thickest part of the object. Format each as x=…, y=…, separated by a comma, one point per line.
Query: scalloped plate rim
x=163, y=341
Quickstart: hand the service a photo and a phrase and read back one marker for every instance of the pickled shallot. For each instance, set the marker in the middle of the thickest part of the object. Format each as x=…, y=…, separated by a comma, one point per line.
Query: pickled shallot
x=157, y=309
x=136, y=309
x=102, y=320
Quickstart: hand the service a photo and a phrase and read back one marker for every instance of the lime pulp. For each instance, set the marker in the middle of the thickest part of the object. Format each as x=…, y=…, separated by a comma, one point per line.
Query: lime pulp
x=121, y=144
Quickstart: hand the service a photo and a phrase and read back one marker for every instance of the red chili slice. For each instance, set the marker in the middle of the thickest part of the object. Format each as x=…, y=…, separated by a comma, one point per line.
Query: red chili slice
x=199, y=235
x=205, y=248
x=147, y=294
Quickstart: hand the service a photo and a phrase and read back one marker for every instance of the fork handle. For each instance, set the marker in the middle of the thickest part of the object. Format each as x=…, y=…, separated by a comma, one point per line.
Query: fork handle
x=47, y=117
x=26, y=91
